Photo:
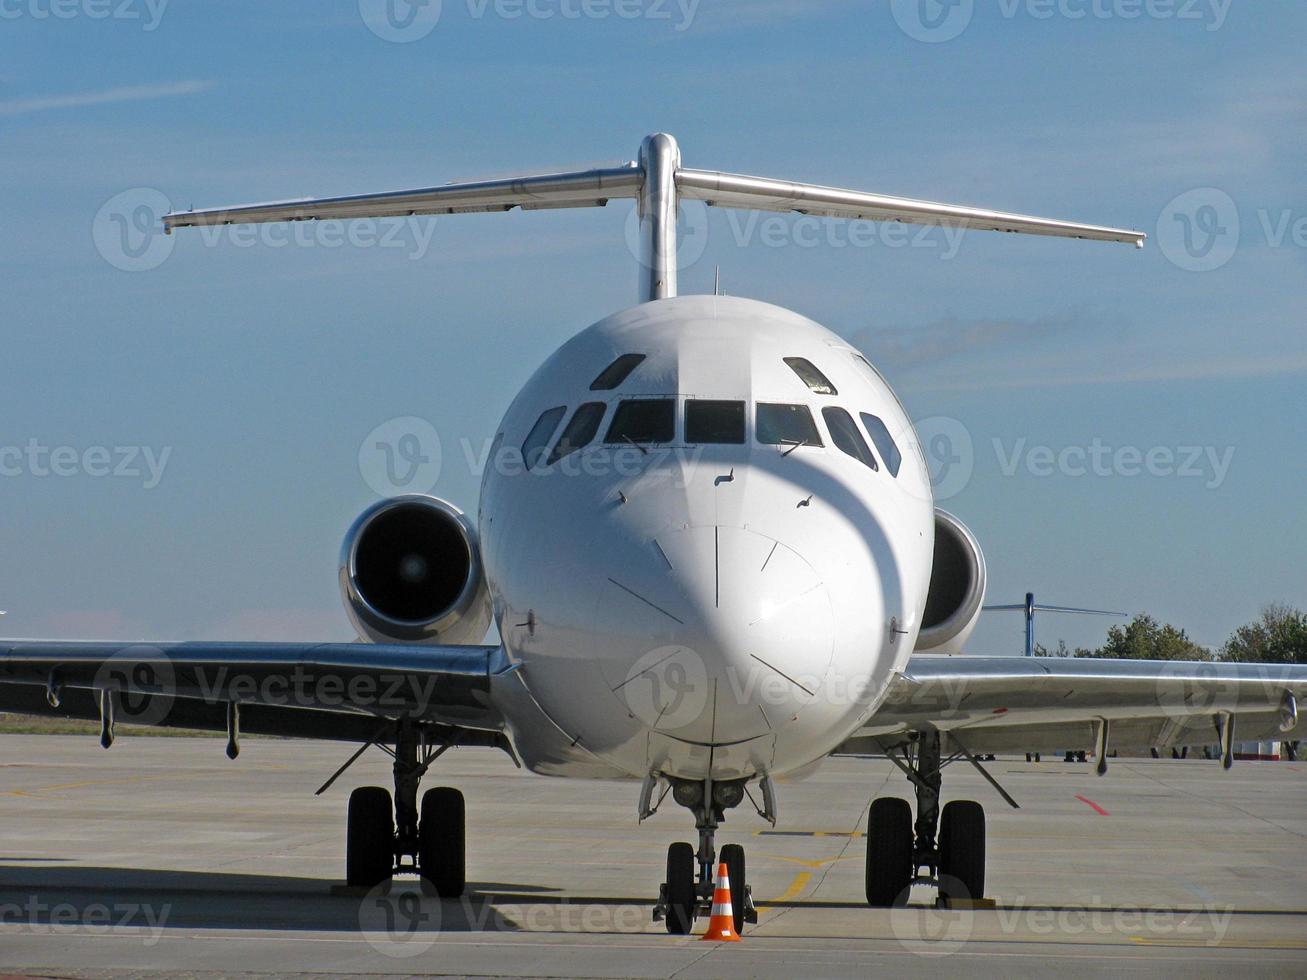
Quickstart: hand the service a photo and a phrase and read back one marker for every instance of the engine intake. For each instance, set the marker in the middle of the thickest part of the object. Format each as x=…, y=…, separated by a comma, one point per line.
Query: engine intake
x=957, y=588
x=411, y=572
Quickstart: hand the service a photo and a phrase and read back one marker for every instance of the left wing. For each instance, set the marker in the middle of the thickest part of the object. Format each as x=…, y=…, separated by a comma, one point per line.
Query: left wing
x=1023, y=704
x=345, y=691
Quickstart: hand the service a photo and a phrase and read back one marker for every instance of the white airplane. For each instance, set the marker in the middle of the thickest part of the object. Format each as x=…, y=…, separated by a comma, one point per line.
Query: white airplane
x=708, y=541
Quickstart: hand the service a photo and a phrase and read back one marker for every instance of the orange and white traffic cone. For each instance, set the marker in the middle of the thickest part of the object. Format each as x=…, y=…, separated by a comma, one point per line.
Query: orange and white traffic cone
x=721, y=927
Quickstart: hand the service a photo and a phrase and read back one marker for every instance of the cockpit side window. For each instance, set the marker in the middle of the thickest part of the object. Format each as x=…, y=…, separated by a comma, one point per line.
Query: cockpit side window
x=533, y=449
x=617, y=372
x=844, y=433
x=643, y=420
x=885, y=445
x=786, y=425
x=810, y=376
x=716, y=422
x=579, y=432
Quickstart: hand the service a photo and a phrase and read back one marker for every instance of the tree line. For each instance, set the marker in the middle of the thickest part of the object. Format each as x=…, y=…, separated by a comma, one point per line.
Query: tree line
x=1277, y=636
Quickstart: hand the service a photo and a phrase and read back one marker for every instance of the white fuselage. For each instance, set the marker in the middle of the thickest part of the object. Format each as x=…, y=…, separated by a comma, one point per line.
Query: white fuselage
x=724, y=608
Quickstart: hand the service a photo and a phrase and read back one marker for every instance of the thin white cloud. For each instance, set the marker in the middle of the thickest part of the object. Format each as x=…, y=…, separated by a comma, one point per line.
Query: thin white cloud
x=129, y=93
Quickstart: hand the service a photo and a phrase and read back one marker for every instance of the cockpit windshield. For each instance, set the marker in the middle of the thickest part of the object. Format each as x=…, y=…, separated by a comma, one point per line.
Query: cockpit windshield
x=786, y=425
x=641, y=421
x=715, y=422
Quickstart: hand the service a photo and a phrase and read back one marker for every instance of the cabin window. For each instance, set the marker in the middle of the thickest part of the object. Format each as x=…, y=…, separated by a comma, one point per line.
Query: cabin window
x=810, y=376
x=885, y=444
x=579, y=432
x=538, y=438
x=848, y=440
x=714, y=422
x=617, y=372
x=786, y=425
x=643, y=420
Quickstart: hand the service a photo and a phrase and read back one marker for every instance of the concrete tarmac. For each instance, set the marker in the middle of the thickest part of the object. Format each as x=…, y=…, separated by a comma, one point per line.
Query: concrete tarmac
x=161, y=856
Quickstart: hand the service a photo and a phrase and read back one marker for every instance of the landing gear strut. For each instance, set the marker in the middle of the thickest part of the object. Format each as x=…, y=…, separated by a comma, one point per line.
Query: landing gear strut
x=688, y=891
x=942, y=848
x=381, y=835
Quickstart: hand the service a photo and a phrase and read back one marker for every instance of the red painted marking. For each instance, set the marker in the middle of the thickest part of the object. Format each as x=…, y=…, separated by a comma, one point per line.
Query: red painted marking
x=1000, y=711
x=1092, y=805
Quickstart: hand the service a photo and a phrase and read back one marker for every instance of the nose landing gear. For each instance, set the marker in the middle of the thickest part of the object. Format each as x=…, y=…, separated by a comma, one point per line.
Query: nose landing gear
x=688, y=891
x=379, y=837
x=948, y=846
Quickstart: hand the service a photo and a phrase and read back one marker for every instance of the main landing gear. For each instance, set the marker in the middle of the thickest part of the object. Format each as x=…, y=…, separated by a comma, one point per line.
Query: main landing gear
x=945, y=849
x=381, y=835
x=688, y=891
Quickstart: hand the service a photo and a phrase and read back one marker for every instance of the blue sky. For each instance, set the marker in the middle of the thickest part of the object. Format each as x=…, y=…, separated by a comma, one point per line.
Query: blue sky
x=250, y=374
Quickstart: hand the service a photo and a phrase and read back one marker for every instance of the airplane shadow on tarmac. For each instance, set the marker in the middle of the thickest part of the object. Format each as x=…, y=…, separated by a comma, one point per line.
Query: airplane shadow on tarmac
x=90, y=896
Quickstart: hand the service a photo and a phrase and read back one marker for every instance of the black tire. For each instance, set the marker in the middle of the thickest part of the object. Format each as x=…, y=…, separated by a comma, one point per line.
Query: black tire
x=442, y=841
x=733, y=857
x=369, y=838
x=889, y=852
x=681, y=898
x=962, y=851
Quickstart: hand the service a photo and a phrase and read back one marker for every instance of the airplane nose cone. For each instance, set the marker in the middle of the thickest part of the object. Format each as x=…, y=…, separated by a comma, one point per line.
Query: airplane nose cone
x=738, y=634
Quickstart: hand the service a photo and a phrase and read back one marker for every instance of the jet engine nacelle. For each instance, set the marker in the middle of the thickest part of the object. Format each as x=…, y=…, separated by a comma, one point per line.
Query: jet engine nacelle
x=957, y=588
x=411, y=572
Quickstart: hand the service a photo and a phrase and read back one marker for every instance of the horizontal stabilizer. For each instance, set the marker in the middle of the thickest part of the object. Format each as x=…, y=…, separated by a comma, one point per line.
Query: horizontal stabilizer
x=658, y=183
x=763, y=194
x=588, y=188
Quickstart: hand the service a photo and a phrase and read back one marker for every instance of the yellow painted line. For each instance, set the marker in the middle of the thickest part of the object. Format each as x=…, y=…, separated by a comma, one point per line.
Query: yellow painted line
x=816, y=865
x=796, y=888
x=86, y=782
x=1272, y=944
